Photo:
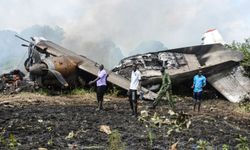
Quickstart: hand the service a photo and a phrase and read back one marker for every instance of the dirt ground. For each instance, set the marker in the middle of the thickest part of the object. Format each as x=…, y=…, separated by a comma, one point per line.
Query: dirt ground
x=39, y=121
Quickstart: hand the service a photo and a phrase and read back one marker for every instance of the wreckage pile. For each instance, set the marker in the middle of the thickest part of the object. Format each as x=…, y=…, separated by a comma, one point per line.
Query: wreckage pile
x=151, y=61
x=14, y=82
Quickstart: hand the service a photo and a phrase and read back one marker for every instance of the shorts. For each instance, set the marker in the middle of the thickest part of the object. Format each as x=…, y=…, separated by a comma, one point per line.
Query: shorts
x=197, y=96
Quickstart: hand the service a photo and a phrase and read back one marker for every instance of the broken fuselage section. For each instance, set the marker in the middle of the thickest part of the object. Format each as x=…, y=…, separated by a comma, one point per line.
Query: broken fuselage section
x=219, y=64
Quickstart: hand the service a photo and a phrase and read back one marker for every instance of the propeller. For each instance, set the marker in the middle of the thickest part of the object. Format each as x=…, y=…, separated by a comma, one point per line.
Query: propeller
x=24, y=45
x=59, y=77
x=41, y=69
x=34, y=64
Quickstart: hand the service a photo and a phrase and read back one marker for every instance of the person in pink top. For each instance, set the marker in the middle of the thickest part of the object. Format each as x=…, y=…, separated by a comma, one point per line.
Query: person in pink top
x=101, y=83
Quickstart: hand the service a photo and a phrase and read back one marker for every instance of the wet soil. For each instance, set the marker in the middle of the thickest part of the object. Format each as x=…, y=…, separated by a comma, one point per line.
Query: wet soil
x=46, y=121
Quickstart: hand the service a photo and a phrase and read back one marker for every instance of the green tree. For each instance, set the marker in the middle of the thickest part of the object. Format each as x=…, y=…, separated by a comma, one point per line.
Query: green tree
x=243, y=47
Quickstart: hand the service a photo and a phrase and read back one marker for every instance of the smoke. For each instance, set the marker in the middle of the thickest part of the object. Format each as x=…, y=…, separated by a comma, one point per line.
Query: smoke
x=103, y=52
x=173, y=23
x=13, y=54
x=55, y=34
x=148, y=46
x=10, y=52
x=106, y=31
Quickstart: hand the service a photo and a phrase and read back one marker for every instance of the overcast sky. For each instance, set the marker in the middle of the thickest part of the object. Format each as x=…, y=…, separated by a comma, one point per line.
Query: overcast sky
x=127, y=23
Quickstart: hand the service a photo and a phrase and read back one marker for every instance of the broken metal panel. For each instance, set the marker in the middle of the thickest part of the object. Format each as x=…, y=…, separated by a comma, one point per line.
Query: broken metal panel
x=45, y=46
x=193, y=62
x=218, y=54
x=231, y=84
x=242, y=78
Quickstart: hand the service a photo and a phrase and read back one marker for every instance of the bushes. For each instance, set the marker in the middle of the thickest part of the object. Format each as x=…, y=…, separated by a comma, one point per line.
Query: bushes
x=245, y=49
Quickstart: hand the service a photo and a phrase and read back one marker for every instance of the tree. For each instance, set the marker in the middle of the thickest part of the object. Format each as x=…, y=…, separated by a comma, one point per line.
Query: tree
x=244, y=47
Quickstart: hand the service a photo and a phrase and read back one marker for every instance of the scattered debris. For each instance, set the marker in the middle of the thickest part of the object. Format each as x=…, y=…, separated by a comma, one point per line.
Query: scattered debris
x=70, y=135
x=171, y=112
x=40, y=120
x=42, y=148
x=144, y=113
x=174, y=146
x=15, y=81
x=106, y=129
x=77, y=114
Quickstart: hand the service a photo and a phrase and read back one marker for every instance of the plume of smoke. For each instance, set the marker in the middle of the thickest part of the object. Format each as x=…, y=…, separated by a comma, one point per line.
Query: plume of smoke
x=11, y=51
x=103, y=52
x=148, y=46
x=55, y=34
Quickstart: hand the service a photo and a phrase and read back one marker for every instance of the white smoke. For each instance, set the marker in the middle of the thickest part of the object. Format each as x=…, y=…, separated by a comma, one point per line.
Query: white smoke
x=93, y=27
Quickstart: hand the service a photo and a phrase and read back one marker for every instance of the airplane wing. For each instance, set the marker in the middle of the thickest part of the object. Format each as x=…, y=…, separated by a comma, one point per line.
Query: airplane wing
x=53, y=49
x=232, y=84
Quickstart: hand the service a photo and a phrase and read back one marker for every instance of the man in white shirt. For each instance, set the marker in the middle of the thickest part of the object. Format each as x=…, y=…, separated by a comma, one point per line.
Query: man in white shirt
x=135, y=85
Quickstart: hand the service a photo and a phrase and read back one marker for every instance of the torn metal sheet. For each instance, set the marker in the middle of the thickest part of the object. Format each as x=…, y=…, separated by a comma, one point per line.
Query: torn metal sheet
x=232, y=84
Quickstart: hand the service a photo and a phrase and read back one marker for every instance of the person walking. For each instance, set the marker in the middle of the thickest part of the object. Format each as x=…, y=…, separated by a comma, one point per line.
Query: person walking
x=165, y=90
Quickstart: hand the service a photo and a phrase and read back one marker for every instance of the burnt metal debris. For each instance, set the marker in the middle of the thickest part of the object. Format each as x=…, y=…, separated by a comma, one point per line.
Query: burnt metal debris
x=218, y=63
x=15, y=81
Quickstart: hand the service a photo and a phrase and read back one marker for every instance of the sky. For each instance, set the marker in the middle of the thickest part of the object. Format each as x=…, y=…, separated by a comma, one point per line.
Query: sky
x=128, y=23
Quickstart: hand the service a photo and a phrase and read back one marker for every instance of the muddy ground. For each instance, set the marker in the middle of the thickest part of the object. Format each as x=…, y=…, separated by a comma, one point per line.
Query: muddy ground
x=38, y=121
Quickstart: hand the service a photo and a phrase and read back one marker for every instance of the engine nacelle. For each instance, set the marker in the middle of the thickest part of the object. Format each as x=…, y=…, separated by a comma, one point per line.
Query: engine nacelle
x=61, y=64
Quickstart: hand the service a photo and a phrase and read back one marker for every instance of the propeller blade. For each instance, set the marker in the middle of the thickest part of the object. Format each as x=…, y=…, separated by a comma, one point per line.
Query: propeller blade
x=24, y=45
x=59, y=77
x=32, y=38
x=34, y=54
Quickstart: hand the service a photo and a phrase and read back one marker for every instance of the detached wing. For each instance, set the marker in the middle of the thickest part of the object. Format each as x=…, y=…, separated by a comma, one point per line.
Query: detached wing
x=232, y=84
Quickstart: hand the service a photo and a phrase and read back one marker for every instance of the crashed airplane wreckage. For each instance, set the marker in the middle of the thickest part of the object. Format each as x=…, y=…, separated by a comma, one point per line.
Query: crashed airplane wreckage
x=52, y=65
x=220, y=65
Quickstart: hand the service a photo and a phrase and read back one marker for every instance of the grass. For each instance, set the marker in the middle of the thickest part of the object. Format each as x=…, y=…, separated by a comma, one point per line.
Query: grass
x=80, y=91
x=48, y=92
x=115, y=142
x=243, y=143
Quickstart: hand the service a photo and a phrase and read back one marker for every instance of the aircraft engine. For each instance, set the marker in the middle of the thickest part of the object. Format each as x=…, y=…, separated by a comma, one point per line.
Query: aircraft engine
x=61, y=64
x=38, y=69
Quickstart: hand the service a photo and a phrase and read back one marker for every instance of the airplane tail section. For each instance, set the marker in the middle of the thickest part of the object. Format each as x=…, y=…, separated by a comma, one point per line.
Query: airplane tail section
x=232, y=84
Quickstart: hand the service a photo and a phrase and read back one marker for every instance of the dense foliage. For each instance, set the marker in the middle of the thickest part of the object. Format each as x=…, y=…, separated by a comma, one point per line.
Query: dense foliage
x=244, y=47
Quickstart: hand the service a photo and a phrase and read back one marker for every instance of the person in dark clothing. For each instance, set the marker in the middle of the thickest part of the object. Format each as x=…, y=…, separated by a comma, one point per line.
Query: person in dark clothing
x=165, y=90
x=199, y=82
x=101, y=83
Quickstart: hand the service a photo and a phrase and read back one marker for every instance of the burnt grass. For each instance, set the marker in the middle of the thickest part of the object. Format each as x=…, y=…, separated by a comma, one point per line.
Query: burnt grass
x=45, y=121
